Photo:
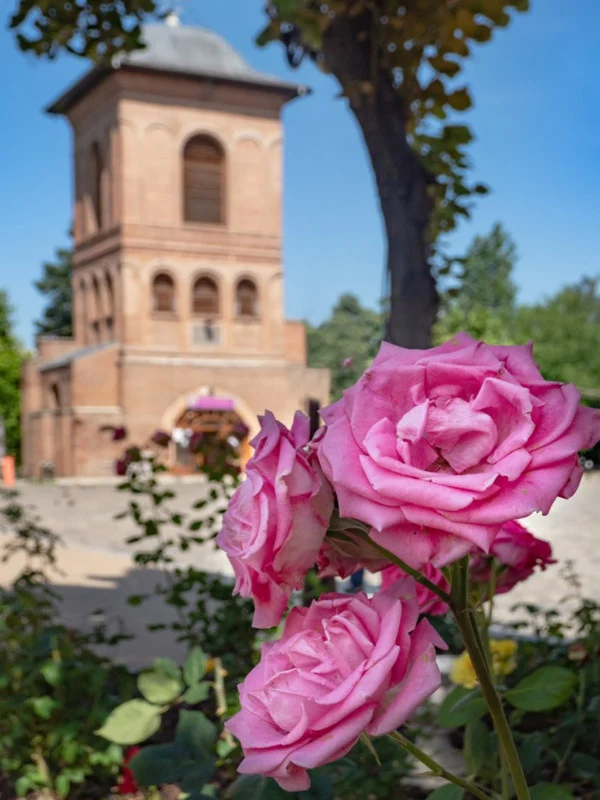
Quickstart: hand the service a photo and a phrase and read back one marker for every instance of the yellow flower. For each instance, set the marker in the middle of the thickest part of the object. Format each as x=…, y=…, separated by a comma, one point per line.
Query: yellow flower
x=462, y=672
x=504, y=662
x=504, y=658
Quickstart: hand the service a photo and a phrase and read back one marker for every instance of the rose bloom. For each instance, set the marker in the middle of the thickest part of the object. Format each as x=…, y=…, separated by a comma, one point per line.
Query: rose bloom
x=345, y=665
x=515, y=553
x=429, y=602
x=276, y=521
x=436, y=449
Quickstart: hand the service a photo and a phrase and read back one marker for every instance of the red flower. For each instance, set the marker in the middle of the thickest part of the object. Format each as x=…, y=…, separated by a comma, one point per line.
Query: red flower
x=119, y=433
x=127, y=782
x=161, y=438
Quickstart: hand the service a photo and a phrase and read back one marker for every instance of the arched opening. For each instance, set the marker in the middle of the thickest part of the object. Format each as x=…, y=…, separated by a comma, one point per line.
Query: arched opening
x=97, y=312
x=55, y=401
x=203, y=181
x=210, y=437
x=163, y=293
x=96, y=173
x=246, y=299
x=110, y=310
x=83, y=320
x=205, y=297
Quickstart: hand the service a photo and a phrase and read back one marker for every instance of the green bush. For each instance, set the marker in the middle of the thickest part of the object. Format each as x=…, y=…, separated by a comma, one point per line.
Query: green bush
x=54, y=690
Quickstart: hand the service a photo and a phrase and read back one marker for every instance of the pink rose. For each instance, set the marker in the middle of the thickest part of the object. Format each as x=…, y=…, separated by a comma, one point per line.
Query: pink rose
x=517, y=553
x=436, y=449
x=277, y=519
x=345, y=665
x=429, y=602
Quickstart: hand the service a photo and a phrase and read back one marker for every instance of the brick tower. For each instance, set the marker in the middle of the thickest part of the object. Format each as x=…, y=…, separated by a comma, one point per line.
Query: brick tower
x=177, y=280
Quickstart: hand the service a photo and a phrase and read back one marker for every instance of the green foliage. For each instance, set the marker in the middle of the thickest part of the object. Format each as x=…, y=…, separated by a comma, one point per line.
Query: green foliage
x=447, y=792
x=207, y=615
x=351, y=332
x=96, y=29
x=554, y=702
x=189, y=759
x=487, y=273
x=564, y=327
x=11, y=361
x=358, y=776
x=158, y=686
x=461, y=706
x=419, y=50
x=549, y=791
x=478, y=746
x=255, y=787
x=543, y=690
x=131, y=723
x=483, y=301
x=47, y=738
x=566, y=332
x=194, y=668
x=55, y=285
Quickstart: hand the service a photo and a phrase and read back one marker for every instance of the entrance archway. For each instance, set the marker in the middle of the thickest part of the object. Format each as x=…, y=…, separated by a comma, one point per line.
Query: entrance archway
x=210, y=433
x=211, y=441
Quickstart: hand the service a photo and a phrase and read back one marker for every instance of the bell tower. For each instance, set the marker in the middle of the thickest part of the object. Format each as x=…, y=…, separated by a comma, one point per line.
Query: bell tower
x=178, y=182
x=177, y=266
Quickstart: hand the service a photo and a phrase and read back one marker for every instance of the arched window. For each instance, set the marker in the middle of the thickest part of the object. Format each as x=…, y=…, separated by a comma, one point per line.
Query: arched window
x=163, y=293
x=110, y=310
x=97, y=312
x=205, y=297
x=246, y=299
x=203, y=180
x=96, y=172
x=83, y=319
x=55, y=402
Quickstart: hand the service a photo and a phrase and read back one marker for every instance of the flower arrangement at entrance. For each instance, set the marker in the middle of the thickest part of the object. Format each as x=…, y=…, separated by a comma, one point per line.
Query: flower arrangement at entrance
x=421, y=470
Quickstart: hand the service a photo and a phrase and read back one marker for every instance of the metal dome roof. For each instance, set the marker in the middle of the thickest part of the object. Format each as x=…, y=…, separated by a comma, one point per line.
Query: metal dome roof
x=195, y=51
x=182, y=50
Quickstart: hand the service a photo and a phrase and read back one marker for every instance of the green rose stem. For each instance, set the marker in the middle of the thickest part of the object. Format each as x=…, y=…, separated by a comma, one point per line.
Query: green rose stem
x=472, y=640
x=437, y=769
x=459, y=605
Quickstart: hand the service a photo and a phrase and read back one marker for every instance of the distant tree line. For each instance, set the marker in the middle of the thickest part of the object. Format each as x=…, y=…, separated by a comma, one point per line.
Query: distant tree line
x=483, y=302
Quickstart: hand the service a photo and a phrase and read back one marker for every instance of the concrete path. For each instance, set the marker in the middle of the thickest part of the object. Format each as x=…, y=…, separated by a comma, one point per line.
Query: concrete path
x=98, y=572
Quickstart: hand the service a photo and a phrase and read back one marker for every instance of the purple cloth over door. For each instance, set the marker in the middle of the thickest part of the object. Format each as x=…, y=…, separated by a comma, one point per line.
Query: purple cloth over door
x=211, y=404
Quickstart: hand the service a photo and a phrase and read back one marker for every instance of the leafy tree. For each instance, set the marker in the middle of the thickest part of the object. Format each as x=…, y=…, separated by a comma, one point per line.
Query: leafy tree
x=565, y=327
x=11, y=359
x=396, y=63
x=483, y=302
x=346, y=343
x=94, y=29
x=55, y=284
x=487, y=273
x=566, y=332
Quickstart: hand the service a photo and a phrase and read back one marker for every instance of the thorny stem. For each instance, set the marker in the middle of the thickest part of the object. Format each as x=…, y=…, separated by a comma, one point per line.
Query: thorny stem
x=436, y=768
x=472, y=640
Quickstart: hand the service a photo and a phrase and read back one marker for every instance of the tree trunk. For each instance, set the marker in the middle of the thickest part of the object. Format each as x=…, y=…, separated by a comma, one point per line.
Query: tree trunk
x=401, y=180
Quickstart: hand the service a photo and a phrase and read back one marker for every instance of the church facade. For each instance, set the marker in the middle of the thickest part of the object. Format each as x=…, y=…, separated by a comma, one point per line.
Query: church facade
x=177, y=279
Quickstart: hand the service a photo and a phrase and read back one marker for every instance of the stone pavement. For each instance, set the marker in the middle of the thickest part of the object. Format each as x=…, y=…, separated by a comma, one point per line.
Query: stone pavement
x=98, y=572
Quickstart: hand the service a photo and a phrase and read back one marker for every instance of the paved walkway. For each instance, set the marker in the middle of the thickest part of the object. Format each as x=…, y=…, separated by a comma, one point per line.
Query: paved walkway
x=98, y=572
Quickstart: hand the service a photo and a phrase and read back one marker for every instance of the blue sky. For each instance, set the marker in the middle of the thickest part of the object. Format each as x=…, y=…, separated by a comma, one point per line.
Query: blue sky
x=536, y=119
